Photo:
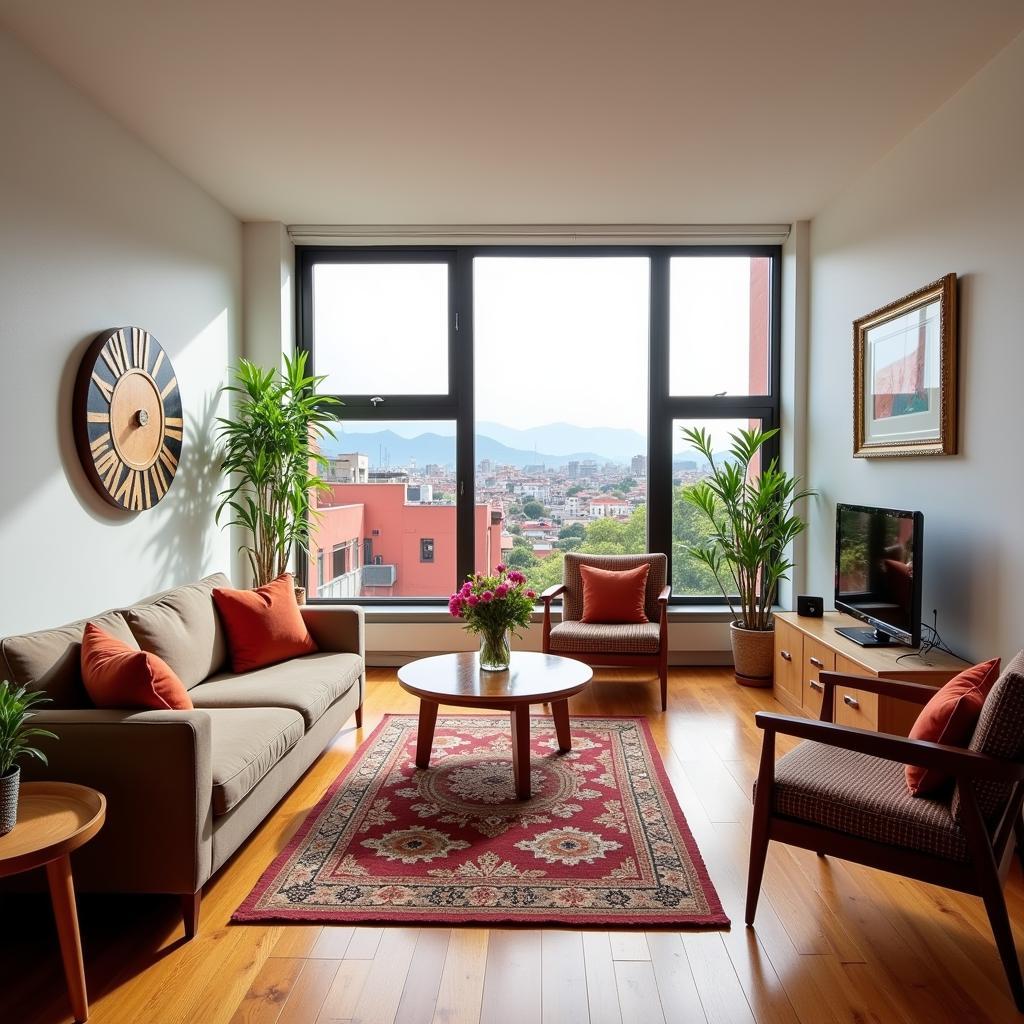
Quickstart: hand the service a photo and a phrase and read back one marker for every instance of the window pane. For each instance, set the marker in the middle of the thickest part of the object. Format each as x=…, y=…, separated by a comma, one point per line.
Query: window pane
x=381, y=328
x=689, y=577
x=719, y=325
x=561, y=405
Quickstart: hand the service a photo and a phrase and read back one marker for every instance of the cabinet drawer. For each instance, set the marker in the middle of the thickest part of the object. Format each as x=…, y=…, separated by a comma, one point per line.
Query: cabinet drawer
x=858, y=708
x=788, y=658
x=817, y=658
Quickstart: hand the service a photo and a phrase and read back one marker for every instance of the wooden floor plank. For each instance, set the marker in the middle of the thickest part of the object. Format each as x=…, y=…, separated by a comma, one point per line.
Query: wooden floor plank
x=382, y=991
x=629, y=946
x=332, y=942
x=677, y=988
x=460, y=992
x=638, y=992
x=721, y=994
x=309, y=992
x=270, y=990
x=564, y=982
x=419, y=994
x=346, y=988
x=512, y=981
x=602, y=994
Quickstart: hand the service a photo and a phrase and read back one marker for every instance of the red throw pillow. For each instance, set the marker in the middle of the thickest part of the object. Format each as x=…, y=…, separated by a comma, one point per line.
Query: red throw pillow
x=950, y=717
x=614, y=595
x=118, y=676
x=264, y=626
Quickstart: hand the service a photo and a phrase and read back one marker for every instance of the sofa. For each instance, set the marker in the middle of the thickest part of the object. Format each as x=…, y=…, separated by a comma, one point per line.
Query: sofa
x=185, y=789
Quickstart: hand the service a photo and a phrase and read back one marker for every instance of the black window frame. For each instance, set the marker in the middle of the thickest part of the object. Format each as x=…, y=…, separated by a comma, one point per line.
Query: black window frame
x=458, y=405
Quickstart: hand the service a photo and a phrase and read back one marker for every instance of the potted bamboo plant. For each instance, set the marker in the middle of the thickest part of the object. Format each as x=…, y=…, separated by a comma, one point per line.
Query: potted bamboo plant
x=16, y=741
x=272, y=458
x=752, y=522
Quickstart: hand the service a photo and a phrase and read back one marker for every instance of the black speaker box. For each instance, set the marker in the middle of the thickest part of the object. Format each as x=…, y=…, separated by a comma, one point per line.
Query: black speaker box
x=814, y=607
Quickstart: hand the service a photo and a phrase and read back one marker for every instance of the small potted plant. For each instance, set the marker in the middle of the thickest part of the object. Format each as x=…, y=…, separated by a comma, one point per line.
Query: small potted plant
x=15, y=733
x=494, y=608
x=752, y=524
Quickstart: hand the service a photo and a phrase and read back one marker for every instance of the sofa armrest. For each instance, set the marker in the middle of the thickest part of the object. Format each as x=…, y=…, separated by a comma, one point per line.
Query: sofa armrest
x=154, y=768
x=337, y=627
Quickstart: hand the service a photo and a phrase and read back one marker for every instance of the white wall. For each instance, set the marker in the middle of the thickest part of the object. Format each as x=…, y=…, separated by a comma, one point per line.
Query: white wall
x=950, y=197
x=97, y=232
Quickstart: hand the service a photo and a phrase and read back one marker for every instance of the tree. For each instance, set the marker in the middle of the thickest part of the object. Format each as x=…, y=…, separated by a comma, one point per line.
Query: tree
x=626, y=484
x=575, y=489
x=575, y=530
x=519, y=541
x=533, y=509
x=546, y=572
x=521, y=558
x=568, y=543
x=515, y=529
x=689, y=529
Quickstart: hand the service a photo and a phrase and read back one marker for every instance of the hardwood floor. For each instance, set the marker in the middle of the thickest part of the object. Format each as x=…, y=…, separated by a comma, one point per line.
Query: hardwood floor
x=834, y=942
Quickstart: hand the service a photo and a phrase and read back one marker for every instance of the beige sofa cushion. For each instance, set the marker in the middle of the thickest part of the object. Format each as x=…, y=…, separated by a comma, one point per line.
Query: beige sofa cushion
x=50, y=659
x=309, y=685
x=183, y=627
x=245, y=744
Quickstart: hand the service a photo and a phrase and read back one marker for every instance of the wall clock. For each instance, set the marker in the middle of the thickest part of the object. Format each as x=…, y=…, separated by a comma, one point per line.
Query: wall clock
x=127, y=418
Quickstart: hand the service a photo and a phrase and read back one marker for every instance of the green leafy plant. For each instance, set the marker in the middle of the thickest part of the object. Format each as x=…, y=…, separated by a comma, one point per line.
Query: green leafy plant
x=751, y=522
x=272, y=456
x=16, y=734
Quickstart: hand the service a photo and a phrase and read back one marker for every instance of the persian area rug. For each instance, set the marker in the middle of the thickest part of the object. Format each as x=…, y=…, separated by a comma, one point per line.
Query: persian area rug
x=602, y=841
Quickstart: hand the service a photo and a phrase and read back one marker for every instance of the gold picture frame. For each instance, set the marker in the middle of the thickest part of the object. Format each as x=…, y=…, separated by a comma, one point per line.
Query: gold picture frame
x=905, y=375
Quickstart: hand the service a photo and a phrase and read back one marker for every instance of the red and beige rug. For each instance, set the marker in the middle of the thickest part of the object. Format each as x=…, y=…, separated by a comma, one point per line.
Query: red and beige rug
x=601, y=842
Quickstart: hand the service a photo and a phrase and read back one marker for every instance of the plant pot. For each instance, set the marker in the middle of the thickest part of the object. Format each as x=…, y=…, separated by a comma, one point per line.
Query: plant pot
x=495, y=651
x=753, y=652
x=9, y=784
x=300, y=595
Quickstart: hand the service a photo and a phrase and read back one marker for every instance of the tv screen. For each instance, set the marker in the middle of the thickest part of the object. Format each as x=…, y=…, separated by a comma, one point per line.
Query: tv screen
x=878, y=572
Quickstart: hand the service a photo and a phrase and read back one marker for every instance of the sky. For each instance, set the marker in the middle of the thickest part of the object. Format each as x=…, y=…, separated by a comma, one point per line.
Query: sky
x=557, y=339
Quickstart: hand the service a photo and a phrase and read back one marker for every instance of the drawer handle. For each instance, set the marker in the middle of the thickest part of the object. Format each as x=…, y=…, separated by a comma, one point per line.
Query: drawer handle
x=816, y=662
x=851, y=701
x=815, y=685
x=786, y=656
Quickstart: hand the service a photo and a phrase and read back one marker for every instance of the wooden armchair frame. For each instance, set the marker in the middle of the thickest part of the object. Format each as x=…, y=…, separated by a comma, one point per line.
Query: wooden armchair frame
x=989, y=847
x=658, y=661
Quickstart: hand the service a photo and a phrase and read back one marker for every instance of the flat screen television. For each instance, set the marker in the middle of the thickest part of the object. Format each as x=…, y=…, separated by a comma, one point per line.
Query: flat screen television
x=878, y=573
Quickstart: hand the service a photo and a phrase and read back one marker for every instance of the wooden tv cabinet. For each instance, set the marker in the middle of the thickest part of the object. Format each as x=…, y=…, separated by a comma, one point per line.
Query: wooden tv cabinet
x=805, y=647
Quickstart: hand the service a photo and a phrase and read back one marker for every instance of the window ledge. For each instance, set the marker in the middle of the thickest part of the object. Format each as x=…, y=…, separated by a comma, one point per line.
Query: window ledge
x=417, y=613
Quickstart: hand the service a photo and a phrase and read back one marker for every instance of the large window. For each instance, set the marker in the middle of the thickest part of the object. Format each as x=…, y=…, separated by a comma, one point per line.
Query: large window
x=515, y=404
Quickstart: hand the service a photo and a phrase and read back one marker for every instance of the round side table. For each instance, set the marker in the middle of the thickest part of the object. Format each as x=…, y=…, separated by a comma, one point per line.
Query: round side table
x=55, y=818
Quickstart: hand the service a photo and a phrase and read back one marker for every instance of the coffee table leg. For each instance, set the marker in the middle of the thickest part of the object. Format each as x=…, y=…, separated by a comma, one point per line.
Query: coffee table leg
x=560, y=713
x=62, y=895
x=521, y=750
x=425, y=733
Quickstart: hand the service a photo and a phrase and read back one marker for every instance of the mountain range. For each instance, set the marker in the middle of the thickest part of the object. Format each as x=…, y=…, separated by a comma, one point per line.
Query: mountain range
x=553, y=446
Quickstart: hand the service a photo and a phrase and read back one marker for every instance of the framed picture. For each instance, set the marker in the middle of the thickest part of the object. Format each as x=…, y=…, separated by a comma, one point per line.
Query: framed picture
x=904, y=375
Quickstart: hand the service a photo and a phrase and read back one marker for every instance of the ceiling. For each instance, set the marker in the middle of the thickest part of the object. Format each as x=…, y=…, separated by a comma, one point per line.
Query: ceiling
x=519, y=111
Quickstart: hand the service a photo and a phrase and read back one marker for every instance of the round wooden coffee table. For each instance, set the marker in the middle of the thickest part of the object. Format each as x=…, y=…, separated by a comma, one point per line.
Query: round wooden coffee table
x=55, y=818
x=457, y=679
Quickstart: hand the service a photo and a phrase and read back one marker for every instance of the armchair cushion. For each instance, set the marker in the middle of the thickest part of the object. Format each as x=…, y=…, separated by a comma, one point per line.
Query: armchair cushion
x=614, y=595
x=1000, y=733
x=950, y=717
x=596, y=638
x=863, y=796
x=657, y=577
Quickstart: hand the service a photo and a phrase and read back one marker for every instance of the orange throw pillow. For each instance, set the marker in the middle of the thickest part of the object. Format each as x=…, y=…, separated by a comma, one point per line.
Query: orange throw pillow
x=264, y=626
x=118, y=676
x=614, y=595
x=950, y=717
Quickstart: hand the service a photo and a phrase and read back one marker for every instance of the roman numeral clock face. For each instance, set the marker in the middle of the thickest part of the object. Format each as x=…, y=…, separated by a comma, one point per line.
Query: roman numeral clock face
x=127, y=418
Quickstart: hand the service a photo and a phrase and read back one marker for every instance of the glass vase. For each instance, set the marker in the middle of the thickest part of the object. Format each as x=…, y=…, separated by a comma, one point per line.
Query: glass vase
x=495, y=650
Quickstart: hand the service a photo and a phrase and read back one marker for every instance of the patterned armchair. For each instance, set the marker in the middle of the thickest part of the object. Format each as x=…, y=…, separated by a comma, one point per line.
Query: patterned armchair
x=842, y=792
x=643, y=645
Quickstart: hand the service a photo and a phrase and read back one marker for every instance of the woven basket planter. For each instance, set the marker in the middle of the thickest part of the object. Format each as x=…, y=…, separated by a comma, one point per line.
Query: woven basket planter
x=9, y=784
x=753, y=652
